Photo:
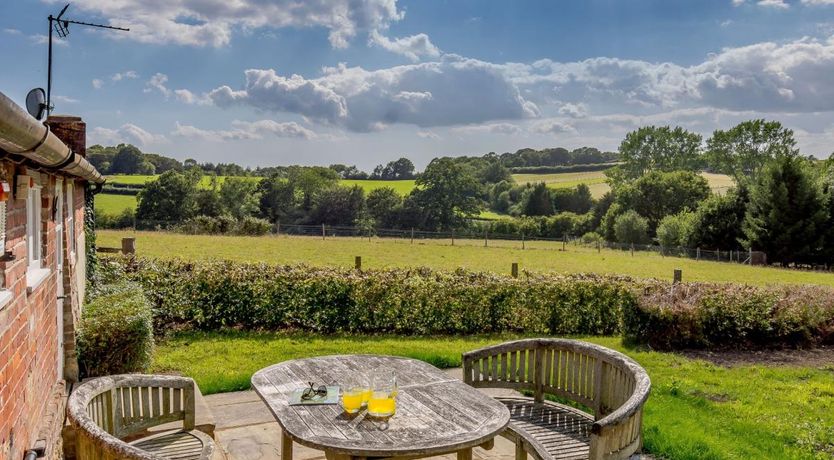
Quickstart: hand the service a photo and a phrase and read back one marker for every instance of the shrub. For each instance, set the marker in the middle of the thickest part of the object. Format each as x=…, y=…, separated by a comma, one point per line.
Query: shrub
x=702, y=315
x=675, y=230
x=213, y=295
x=630, y=227
x=253, y=226
x=202, y=225
x=591, y=238
x=116, y=331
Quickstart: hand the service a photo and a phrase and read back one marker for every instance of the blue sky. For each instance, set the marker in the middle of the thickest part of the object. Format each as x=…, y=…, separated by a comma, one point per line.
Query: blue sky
x=265, y=82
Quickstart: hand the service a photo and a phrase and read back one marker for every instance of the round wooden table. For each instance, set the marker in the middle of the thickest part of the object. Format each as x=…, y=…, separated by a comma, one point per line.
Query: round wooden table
x=436, y=414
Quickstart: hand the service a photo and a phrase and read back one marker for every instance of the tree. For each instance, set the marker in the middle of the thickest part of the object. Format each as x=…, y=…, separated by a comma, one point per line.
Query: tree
x=337, y=205
x=717, y=222
x=279, y=201
x=446, y=193
x=675, y=230
x=631, y=228
x=384, y=205
x=538, y=201
x=208, y=200
x=399, y=169
x=786, y=215
x=494, y=172
x=309, y=180
x=239, y=197
x=128, y=160
x=169, y=199
x=659, y=194
x=577, y=200
x=745, y=149
x=652, y=148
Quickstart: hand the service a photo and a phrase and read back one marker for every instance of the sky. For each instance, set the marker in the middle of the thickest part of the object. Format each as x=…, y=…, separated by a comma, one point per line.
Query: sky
x=276, y=82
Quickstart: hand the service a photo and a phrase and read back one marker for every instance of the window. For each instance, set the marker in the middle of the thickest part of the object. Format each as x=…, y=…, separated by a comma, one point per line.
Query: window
x=71, y=220
x=2, y=228
x=35, y=273
x=34, y=226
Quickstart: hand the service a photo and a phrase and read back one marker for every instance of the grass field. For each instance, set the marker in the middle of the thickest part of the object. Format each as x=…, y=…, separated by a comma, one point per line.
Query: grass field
x=719, y=183
x=539, y=256
x=114, y=204
x=697, y=410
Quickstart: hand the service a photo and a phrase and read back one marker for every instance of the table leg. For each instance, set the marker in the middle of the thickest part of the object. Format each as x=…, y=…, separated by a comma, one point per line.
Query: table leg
x=465, y=454
x=286, y=446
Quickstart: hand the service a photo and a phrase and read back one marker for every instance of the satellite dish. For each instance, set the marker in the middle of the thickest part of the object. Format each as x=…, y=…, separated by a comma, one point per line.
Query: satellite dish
x=36, y=103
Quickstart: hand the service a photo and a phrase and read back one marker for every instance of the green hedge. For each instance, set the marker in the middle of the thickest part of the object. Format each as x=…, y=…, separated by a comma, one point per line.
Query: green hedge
x=213, y=295
x=116, y=331
x=705, y=315
x=562, y=168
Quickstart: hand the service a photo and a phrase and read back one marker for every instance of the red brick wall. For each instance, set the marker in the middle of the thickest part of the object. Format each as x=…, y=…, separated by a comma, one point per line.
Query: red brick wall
x=28, y=323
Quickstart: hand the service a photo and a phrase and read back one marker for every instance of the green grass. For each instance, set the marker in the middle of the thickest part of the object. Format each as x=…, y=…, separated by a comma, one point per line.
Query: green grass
x=595, y=180
x=697, y=410
x=114, y=204
x=402, y=187
x=439, y=254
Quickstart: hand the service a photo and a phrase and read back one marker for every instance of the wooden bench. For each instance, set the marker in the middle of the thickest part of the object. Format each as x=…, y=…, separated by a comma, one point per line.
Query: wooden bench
x=610, y=387
x=111, y=417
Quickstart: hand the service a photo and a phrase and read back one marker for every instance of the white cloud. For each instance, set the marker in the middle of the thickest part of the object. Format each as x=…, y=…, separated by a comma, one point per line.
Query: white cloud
x=129, y=74
x=579, y=110
x=212, y=23
x=40, y=39
x=66, y=99
x=413, y=47
x=492, y=128
x=452, y=91
x=157, y=82
x=243, y=130
x=12, y=31
x=428, y=135
x=553, y=127
x=97, y=83
x=726, y=23
x=128, y=133
x=818, y=2
x=780, y=4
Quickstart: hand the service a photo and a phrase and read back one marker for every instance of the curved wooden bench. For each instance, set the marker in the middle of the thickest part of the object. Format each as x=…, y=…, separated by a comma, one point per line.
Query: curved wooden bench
x=610, y=387
x=110, y=413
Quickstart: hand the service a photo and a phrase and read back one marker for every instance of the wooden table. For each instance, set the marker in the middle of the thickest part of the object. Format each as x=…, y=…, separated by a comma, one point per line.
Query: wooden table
x=436, y=414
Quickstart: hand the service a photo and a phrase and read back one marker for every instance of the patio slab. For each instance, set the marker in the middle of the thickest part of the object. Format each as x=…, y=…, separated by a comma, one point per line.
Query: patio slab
x=246, y=429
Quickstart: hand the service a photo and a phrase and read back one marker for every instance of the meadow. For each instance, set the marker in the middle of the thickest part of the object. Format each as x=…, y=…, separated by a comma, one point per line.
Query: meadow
x=539, y=256
x=697, y=409
x=595, y=180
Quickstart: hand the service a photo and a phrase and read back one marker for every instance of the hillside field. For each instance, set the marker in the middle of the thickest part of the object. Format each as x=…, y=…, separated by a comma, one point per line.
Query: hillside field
x=540, y=256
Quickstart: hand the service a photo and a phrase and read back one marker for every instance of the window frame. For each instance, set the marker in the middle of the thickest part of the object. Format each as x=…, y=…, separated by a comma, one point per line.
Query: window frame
x=69, y=199
x=34, y=227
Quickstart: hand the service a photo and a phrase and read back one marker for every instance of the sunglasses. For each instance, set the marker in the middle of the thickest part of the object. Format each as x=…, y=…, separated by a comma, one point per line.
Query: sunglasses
x=313, y=392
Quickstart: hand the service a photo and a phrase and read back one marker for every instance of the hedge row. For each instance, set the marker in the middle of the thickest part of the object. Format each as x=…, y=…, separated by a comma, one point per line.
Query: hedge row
x=213, y=295
x=561, y=169
x=116, y=331
x=720, y=316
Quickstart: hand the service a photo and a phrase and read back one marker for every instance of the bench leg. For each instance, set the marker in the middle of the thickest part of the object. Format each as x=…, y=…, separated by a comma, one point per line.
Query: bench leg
x=520, y=454
x=465, y=454
x=286, y=446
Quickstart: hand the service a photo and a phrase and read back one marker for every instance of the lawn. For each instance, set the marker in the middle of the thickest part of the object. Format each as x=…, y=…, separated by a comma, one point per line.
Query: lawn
x=440, y=254
x=719, y=183
x=697, y=410
x=402, y=187
x=114, y=204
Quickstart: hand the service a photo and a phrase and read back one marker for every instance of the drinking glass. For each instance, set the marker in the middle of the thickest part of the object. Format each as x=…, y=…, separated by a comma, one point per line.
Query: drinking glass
x=383, y=402
x=352, y=392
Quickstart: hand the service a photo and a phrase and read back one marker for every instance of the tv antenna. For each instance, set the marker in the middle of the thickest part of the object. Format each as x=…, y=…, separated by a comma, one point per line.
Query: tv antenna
x=61, y=27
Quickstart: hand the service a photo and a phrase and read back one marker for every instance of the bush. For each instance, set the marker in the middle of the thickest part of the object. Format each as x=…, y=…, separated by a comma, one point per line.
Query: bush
x=214, y=295
x=116, y=332
x=253, y=226
x=675, y=230
x=223, y=225
x=124, y=219
x=730, y=316
x=631, y=228
x=592, y=238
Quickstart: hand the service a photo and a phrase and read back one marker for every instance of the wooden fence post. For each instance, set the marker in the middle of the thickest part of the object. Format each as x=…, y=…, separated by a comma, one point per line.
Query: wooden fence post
x=751, y=255
x=632, y=249
x=485, y=237
x=278, y=229
x=564, y=241
x=599, y=247
x=358, y=262
x=453, y=237
x=412, y=235
x=322, y=232
x=515, y=269
x=697, y=253
x=522, y=241
x=678, y=276
x=128, y=245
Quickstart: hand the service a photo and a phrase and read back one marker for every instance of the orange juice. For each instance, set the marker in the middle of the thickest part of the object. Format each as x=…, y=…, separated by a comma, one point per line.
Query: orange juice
x=382, y=404
x=352, y=401
x=366, y=396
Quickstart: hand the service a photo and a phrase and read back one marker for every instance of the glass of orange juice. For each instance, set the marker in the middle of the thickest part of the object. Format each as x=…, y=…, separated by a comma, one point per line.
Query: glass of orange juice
x=366, y=389
x=352, y=393
x=383, y=398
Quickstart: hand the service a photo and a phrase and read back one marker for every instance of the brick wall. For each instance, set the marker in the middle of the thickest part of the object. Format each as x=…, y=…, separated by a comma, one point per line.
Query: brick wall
x=31, y=385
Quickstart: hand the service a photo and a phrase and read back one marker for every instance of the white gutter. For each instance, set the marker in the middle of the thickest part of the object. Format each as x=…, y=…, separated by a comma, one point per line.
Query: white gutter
x=21, y=134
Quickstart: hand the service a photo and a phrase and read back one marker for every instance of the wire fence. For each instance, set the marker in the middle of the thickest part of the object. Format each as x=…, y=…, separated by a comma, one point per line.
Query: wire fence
x=483, y=236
